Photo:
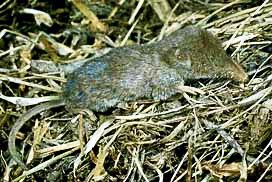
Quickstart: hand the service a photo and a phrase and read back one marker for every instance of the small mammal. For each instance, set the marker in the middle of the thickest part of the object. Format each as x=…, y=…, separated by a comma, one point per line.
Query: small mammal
x=142, y=71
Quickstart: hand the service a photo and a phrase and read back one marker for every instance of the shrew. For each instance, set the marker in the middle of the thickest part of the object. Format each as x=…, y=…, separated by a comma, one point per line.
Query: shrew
x=152, y=71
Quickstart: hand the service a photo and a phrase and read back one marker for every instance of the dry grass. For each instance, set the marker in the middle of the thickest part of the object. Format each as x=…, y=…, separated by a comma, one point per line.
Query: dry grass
x=223, y=134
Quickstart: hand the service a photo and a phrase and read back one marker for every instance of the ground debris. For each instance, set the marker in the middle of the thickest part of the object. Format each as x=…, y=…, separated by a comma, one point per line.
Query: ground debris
x=222, y=133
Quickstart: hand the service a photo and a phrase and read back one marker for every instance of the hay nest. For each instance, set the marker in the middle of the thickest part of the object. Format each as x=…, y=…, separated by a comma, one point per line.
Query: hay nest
x=222, y=134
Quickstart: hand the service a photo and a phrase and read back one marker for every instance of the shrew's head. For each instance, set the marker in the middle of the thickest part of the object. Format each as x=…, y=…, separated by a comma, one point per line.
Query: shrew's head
x=203, y=54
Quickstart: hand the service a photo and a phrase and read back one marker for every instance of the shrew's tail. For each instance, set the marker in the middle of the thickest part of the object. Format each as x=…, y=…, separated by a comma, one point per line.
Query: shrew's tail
x=21, y=121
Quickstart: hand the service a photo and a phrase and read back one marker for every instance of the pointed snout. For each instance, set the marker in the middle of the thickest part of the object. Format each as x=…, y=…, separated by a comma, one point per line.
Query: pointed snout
x=238, y=73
